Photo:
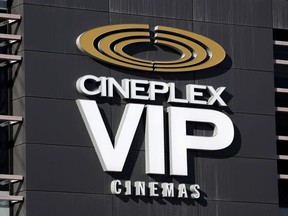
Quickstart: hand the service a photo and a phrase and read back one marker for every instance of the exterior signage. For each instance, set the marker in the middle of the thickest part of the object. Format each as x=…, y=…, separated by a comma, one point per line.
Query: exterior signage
x=167, y=189
x=198, y=52
x=107, y=44
x=113, y=157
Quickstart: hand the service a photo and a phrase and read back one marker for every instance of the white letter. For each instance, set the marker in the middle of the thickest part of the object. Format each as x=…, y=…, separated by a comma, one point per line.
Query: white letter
x=114, y=187
x=80, y=85
x=128, y=188
x=154, y=140
x=215, y=96
x=112, y=159
x=153, y=90
x=153, y=189
x=190, y=91
x=182, y=192
x=122, y=90
x=134, y=89
x=140, y=188
x=172, y=95
x=179, y=141
x=103, y=86
x=195, y=191
x=167, y=189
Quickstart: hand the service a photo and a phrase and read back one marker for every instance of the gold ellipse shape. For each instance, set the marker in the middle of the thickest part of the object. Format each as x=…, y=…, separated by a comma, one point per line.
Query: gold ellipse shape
x=111, y=40
x=85, y=43
x=217, y=53
x=105, y=46
x=118, y=48
x=186, y=53
x=200, y=51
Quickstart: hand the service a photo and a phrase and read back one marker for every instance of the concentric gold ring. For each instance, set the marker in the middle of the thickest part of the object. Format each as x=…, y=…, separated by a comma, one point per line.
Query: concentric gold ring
x=108, y=43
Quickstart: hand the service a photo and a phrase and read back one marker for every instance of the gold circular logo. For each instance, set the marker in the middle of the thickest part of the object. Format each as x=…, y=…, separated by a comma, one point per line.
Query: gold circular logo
x=107, y=44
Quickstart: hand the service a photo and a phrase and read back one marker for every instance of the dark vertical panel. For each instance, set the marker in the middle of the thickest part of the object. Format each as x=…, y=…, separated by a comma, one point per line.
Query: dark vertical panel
x=280, y=15
x=58, y=204
x=238, y=209
x=51, y=76
x=170, y=8
x=238, y=179
x=59, y=27
x=248, y=12
x=99, y=5
x=247, y=47
x=65, y=169
x=146, y=207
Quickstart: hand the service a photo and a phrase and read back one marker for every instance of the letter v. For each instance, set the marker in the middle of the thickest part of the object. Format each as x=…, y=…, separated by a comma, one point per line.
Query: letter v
x=111, y=158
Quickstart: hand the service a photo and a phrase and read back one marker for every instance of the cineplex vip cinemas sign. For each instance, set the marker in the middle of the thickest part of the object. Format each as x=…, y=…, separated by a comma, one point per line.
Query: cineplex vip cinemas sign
x=108, y=44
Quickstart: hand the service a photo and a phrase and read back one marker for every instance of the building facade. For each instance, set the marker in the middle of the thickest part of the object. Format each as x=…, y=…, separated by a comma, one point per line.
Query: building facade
x=51, y=146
